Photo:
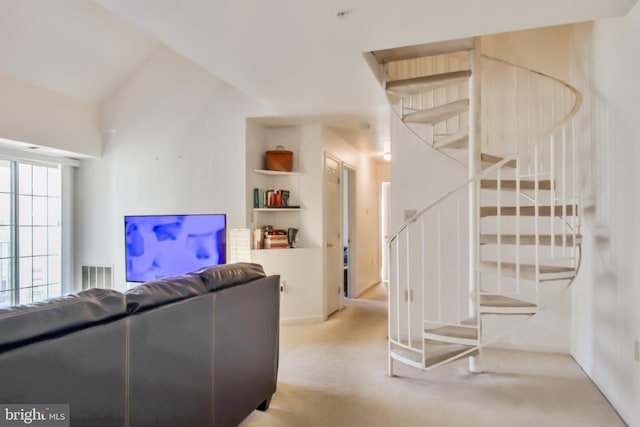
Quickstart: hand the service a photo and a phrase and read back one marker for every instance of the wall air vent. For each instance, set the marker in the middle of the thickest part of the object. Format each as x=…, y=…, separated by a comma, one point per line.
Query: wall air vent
x=97, y=276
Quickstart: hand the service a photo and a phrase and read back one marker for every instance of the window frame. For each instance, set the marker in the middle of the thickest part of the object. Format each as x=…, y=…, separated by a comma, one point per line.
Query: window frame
x=65, y=233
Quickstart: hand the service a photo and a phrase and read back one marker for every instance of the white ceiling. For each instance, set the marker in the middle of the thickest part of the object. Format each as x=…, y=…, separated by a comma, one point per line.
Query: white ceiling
x=294, y=55
x=69, y=46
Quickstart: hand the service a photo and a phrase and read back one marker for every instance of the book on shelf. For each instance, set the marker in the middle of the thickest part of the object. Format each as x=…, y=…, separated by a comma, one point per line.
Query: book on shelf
x=273, y=238
x=279, y=241
x=271, y=198
x=258, y=198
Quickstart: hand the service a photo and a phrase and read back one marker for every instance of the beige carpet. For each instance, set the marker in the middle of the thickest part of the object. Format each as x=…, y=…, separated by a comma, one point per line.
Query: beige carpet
x=335, y=374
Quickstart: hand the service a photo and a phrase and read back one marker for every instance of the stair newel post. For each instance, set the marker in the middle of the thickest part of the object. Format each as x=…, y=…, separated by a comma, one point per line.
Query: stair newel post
x=475, y=169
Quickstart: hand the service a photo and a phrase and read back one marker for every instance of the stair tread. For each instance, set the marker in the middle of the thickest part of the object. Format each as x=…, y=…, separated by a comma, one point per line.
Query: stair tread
x=438, y=352
x=493, y=300
x=408, y=354
x=510, y=184
x=470, y=321
x=422, y=50
x=426, y=83
x=451, y=331
x=490, y=159
x=460, y=139
x=438, y=114
x=435, y=352
x=530, y=239
x=526, y=270
x=545, y=210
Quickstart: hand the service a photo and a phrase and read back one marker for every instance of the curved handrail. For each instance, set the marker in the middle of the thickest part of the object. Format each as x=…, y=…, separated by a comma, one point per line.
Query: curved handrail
x=565, y=120
x=440, y=199
x=576, y=92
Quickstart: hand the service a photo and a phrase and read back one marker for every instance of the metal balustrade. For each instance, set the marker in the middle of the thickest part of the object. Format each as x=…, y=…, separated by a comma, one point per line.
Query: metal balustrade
x=527, y=242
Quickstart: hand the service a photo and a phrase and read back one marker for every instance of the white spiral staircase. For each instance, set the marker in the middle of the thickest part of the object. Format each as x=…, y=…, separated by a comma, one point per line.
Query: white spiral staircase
x=497, y=249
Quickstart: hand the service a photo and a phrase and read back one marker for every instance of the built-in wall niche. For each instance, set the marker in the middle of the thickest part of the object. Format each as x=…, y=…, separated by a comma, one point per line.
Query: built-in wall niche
x=276, y=210
x=300, y=268
x=276, y=200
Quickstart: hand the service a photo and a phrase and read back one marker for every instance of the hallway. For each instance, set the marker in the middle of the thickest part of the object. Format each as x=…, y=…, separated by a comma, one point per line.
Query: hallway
x=335, y=374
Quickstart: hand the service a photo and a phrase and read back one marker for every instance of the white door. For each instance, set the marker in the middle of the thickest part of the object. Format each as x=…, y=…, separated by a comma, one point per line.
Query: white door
x=385, y=215
x=333, y=255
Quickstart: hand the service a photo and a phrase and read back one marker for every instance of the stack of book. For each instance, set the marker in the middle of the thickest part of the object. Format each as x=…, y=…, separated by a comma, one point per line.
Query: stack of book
x=270, y=198
x=269, y=238
x=277, y=239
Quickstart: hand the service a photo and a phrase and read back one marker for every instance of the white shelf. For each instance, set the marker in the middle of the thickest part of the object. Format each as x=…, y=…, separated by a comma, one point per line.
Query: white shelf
x=277, y=209
x=276, y=173
x=290, y=250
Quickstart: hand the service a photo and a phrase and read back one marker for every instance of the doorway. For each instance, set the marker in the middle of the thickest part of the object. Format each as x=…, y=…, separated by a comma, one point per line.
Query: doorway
x=348, y=221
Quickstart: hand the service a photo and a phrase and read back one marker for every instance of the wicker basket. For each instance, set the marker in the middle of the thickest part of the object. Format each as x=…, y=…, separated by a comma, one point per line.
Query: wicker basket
x=279, y=160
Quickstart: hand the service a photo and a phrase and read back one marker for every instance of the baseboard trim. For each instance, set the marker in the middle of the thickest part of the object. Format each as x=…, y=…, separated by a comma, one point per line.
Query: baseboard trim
x=299, y=320
x=527, y=347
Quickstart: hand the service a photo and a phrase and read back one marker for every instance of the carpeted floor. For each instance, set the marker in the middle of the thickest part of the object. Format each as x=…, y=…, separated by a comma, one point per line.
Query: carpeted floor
x=335, y=374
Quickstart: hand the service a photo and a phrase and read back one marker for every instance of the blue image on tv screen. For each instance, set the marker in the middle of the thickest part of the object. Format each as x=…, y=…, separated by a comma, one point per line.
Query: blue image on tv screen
x=159, y=246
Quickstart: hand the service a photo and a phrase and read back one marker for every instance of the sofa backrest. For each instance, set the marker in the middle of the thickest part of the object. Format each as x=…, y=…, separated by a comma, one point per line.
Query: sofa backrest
x=160, y=292
x=57, y=316
x=153, y=294
x=227, y=275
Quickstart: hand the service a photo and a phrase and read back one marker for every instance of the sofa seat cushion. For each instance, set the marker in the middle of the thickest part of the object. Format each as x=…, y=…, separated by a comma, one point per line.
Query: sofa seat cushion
x=227, y=275
x=57, y=316
x=159, y=292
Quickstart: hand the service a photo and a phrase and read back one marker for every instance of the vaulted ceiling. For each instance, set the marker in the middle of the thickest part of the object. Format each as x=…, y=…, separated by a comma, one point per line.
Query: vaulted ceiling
x=299, y=57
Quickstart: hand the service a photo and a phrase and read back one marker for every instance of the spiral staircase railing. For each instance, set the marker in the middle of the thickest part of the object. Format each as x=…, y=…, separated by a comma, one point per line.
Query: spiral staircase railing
x=528, y=241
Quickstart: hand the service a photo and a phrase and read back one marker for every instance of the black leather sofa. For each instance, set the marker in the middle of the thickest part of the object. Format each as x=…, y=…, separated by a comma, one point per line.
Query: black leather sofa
x=196, y=350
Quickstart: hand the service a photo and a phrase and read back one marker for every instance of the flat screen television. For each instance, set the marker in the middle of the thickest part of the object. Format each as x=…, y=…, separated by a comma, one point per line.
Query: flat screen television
x=159, y=246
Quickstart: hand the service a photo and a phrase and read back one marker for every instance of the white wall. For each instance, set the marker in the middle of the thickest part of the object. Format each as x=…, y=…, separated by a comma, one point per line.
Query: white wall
x=42, y=117
x=606, y=318
x=179, y=147
x=543, y=49
x=366, y=236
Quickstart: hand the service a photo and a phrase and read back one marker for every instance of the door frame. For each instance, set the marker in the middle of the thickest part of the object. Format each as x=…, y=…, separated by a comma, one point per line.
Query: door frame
x=350, y=183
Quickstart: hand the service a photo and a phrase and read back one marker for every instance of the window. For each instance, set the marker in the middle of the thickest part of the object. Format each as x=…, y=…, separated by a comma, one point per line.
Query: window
x=6, y=232
x=30, y=232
